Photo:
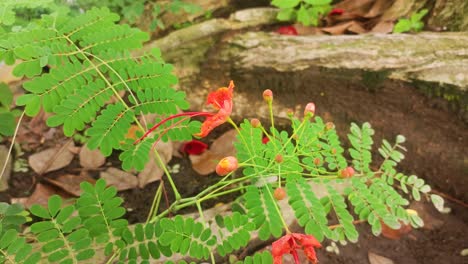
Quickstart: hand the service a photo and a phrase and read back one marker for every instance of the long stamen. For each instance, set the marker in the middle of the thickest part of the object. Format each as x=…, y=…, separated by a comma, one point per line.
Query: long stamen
x=189, y=114
x=167, y=129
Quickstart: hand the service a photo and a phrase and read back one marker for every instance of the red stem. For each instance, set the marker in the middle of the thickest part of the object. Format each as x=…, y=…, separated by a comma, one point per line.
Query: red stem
x=190, y=114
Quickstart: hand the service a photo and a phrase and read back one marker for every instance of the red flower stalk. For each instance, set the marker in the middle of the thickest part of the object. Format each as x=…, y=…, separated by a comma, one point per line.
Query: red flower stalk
x=290, y=243
x=221, y=100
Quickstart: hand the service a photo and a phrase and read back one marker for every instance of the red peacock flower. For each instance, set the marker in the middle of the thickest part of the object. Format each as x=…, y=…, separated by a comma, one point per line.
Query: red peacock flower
x=221, y=100
x=290, y=243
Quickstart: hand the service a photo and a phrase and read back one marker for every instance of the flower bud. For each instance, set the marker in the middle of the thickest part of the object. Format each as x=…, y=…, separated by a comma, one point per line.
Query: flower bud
x=347, y=172
x=309, y=110
x=226, y=165
x=333, y=151
x=265, y=140
x=279, y=194
x=268, y=95
x=279, y=158
x=254, y=122
x=290, y=112
x=329, y=126
x=317, y=161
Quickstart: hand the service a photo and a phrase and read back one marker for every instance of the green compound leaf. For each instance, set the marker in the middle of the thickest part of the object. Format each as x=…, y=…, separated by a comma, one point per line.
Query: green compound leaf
x=263, y=209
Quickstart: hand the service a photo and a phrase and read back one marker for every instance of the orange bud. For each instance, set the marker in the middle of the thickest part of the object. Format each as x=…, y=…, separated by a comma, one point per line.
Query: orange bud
x=279, y=194
x=309, y=110
x=317, y=161
x=347, y=172
x=226, y=165
x=268, y=95
x=279, y=158
x=290, y=112
x=254, y=122
x=329, y=126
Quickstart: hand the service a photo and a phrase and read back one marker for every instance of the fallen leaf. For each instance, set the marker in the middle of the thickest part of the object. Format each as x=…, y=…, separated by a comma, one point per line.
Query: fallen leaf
x=91, y=159
x=395, y=234
x=383, y=27
x=52, y=159
x=221, y=147
x=205, y=163
x=121, y=180
x=152, y=171
x=6, y=174
x=377, y=259
x=6, y=73
x=40, y=196
x=350, y=26
x=71, y=183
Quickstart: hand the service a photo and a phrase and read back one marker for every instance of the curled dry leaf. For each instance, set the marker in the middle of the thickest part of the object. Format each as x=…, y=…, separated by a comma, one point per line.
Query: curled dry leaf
x=121, y=180
x=71, y=183
x=52, y=159
x=40, y=196
x=377, y=259
x=223, y=146
x=91, y=159
x=152, y=171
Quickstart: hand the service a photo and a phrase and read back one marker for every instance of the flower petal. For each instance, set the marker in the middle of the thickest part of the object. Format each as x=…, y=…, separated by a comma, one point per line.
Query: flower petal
x=220, y=96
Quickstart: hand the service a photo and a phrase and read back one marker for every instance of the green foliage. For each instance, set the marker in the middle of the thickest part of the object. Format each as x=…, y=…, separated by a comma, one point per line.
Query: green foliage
x=306, y=12
x=413, y=24
x=90, y=65
x=8, y=8
x=361, y=141
x=7, y=117
x=234, y=232
x=308, y=209
x=132, y=10
x=258, y=258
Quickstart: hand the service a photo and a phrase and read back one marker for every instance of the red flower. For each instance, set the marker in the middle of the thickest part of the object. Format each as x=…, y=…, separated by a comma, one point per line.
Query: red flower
x=289, y=244
x=265, y=140
x=221, y=100
x=287, y=30
x=336, y=12
x=194, y=147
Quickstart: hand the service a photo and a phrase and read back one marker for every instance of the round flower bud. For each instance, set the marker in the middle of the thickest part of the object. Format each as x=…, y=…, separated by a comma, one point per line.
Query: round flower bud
x=279, y=158
x=309, y=110
x=279, y=194
x=317, y=161
x=268, y=95
x=255, y=122
x=289, y=112
x=226, y=165
x=347, y=172
x=329, y=126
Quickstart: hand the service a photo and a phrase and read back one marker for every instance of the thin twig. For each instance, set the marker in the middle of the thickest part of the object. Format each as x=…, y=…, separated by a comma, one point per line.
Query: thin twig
x=12, y=144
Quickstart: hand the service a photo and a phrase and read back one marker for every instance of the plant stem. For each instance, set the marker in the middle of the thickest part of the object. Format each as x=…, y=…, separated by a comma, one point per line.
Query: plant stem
x=155, y=204
x=168, y=174
x=12, y=144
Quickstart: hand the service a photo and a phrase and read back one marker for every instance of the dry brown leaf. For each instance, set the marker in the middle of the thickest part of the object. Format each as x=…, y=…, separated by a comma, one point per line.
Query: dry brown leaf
x=378, y=8
x=395, y=234
x=152, y=171
x=351, y=26
x=91, y=159
x=305, y=31
x=177, y=145
x=221, y=147
x=40, y=196
x=224, y=145
x=377, y=259
x=383, y=27
x=52, y=159
x=71, y=183
x=6, y=73
x=205, y=163
x=119, y=179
